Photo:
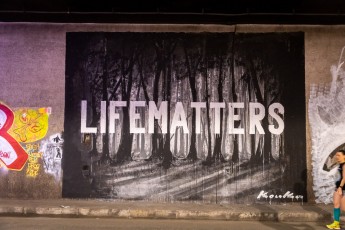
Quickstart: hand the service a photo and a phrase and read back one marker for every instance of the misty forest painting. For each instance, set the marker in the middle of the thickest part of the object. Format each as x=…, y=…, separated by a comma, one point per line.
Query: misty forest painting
x=212, y=117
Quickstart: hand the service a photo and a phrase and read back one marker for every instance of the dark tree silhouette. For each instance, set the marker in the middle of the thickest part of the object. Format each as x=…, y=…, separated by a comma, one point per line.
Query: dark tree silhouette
x=127, y=52
x=193, y=56
x=216, y=59
x=235, y=153
x=105, y=150
x=221, y=57
x=157, y=139
x=94, y=87
x=143, y=62
x=206, y=61
x=262, y=77
x=165, y=47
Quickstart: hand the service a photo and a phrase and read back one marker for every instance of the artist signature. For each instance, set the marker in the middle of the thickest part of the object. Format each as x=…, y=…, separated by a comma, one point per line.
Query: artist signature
x=287, y=195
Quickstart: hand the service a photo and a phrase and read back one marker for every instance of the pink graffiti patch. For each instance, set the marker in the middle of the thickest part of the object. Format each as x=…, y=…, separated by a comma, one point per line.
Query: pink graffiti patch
x=5, y=154
x=12, y=154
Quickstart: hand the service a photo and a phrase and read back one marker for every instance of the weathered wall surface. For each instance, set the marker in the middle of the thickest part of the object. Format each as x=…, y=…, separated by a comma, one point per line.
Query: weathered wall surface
x=32, y=73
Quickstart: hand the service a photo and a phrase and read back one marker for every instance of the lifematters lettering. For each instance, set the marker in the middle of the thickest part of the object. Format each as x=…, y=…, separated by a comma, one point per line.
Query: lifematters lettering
x=257, y=113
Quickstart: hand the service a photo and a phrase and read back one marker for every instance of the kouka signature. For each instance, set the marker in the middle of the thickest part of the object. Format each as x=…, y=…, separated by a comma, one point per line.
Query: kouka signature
x=287, y=195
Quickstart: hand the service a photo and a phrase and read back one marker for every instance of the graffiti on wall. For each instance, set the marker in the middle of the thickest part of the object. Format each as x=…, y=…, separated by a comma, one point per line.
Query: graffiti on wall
x=30, y=176
x=177, y=116
x=30, y=125
x=22, y=142
x=12, y=154
x=33, y=161
x=52, y=149
x=327, y=122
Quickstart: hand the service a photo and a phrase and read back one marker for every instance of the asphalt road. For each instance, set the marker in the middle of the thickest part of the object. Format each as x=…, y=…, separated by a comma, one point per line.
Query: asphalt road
x=38, y=223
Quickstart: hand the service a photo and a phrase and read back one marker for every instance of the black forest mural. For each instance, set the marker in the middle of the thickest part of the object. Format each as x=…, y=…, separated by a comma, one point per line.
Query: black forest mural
x=214, y=117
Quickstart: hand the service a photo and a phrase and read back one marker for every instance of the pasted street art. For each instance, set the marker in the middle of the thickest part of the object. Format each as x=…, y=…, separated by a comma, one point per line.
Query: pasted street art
x=327, y=122
x=215, y=117
x=52, y=148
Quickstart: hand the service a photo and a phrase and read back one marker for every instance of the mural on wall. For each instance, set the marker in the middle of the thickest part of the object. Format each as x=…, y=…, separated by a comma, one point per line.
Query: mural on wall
x=185, y=116
x=26, y=168
x=19, y=130
x=327, y=122
x=45, y=155
x=30, y=124
x=12, y=154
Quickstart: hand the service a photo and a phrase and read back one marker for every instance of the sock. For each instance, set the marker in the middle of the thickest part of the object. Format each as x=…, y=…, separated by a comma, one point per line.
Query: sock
x=336, y=214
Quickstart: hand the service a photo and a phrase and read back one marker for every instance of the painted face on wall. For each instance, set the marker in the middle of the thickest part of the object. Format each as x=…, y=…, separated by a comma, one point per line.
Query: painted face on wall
x=327, y=122
x=340, y=157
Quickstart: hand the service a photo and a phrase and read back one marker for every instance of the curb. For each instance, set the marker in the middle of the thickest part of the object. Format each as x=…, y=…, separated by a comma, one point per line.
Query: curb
x=83, y=212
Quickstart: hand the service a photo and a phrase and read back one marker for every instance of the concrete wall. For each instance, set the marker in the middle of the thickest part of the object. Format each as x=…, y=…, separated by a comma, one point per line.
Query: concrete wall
x=32, y=74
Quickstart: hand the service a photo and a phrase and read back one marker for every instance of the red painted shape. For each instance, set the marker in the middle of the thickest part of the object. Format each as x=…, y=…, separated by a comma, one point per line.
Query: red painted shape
x=22, y=156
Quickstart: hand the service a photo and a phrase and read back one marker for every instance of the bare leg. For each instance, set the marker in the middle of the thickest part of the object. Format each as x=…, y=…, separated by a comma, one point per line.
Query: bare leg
x=337, y=200
x=342, y=203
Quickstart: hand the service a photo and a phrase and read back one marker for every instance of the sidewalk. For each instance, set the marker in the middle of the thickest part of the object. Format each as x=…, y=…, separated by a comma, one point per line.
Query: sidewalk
x=143, y=209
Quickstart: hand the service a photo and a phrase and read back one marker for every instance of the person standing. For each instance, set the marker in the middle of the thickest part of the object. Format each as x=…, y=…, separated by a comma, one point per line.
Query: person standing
x=339, y=193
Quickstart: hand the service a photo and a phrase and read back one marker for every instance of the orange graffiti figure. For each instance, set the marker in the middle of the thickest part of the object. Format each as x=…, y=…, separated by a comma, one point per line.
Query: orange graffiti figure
x=30, y=125
x=13, y=156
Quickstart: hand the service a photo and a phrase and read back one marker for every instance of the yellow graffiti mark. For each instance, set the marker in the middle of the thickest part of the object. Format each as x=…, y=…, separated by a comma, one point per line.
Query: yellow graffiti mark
x=31, y=147
x=32, y=170
x=29, y=124
x=33, y=165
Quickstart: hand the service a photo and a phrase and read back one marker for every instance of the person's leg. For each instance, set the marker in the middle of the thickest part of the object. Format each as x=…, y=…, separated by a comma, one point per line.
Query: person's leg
x=336, y=211
x=342, y=202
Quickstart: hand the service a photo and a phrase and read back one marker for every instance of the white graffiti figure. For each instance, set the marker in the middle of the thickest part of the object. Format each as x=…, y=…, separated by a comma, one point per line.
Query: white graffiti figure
x=327, y=121
x=52, y=155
